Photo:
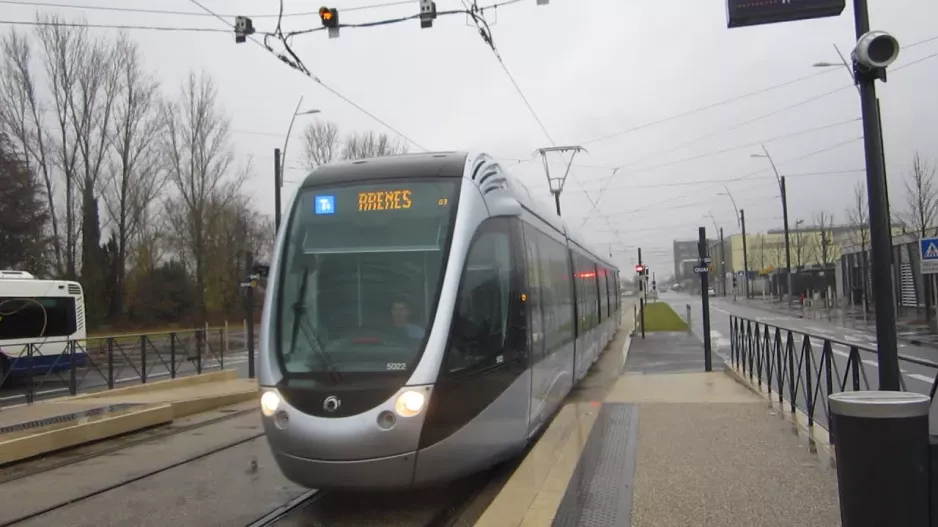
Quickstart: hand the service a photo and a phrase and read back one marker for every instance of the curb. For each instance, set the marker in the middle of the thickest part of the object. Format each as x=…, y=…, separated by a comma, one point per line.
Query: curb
x=48, y=441
x=817, y=434
x=167, y=384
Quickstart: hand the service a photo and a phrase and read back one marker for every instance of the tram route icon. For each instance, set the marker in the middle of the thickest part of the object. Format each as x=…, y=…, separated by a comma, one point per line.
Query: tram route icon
x=324, y=205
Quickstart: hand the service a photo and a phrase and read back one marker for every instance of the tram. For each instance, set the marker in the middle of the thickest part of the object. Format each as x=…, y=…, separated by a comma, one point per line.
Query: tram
x=425, y=317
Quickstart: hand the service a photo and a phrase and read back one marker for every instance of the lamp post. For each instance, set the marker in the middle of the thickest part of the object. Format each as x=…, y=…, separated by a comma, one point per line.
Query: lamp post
x=280, y=159
x=781, y=187
x=741, y=221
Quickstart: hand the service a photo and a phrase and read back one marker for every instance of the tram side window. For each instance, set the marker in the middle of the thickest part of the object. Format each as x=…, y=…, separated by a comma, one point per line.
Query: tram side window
x=481, y=318
x=558, y=313
x=536, y=292
x=603, y=293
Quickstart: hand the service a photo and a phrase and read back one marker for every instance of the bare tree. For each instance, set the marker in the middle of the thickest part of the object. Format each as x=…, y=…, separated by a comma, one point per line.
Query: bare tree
x=922, y=212
x=858, y=216
x=135, y=172
x=65, y=52
x=20, y=119
x=798, y=244
x=824, y=223
x=321, y=143
x=198, y=159
x=372, y=144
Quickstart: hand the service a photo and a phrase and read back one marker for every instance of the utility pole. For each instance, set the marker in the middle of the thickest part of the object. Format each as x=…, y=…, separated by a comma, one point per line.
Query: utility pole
x=742, y=221
x=722, y=262
x=704, y=295
x=787, y=235
x=880, y=237
x=277, y=186
x=641, y=285
x=558, y=188
x=248, y=288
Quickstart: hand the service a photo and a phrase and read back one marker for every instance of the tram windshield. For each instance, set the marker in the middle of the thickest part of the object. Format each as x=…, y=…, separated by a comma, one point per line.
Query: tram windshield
x=361, y=275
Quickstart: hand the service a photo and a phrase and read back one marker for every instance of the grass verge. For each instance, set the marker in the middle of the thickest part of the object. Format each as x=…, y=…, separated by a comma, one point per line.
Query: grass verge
x=659, y=316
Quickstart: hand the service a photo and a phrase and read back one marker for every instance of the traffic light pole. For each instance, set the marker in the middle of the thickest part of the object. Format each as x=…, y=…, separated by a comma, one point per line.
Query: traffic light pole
x=277, y=186
x=641, y=299
x=704, y=295
x=742, y=221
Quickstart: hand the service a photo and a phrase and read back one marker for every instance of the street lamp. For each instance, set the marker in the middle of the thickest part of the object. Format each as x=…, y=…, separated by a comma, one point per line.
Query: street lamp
x=280, y=163
x=741, y=221
x=879, y=119
x=781, y=186
x=722, y=253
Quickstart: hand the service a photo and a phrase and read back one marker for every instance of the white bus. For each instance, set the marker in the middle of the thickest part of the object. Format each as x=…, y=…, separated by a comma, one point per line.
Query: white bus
x=43, y=314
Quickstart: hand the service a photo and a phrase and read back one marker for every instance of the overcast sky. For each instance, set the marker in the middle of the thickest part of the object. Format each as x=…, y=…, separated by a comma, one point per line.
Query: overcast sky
x=638, y=69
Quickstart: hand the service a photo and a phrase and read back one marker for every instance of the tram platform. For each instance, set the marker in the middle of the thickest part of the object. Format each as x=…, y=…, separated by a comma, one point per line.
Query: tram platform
x=27, y=431
x=660, y=442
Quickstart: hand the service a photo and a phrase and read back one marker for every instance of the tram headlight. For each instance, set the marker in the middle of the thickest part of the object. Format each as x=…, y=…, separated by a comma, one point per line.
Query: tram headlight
x=270, y=401
x=410, y=403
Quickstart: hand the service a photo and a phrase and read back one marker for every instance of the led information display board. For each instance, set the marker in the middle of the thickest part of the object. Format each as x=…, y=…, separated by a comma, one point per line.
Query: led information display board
x=742, y=13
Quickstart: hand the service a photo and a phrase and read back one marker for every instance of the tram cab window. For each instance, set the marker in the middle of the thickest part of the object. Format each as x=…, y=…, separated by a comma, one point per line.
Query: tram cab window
x=481, y=317
x=361, y=276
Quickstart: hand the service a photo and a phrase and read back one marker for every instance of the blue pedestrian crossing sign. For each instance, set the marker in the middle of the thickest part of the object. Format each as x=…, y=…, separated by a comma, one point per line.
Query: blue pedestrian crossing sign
x=929, y=255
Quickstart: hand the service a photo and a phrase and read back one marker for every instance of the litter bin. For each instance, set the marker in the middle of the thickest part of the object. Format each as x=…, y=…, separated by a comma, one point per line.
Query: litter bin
x=881, y=441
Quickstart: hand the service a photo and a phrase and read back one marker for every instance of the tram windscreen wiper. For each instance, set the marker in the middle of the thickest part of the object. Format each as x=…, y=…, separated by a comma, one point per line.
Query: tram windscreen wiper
x=299, y=314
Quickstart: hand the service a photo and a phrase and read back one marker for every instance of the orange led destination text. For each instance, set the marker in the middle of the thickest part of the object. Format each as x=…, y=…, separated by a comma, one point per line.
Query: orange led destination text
x=386, y=200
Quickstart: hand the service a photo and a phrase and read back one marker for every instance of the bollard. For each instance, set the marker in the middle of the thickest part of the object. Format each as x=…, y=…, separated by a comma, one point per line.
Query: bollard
x=881, y=442
x=933, y=480
x=689, y=329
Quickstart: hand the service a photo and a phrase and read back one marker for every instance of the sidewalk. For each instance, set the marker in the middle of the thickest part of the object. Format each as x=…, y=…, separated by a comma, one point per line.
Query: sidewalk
x=670, y=445
x=910, y=330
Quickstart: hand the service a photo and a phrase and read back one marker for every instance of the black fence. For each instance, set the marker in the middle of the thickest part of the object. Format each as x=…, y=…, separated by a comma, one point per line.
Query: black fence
x=805, y=369
x=58, y=367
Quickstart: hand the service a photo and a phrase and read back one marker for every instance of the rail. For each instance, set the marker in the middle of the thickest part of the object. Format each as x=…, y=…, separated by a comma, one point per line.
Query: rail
x=809, y=367
x=57, y=367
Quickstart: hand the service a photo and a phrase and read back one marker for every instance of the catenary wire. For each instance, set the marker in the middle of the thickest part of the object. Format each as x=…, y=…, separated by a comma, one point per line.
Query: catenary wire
x=324, y=85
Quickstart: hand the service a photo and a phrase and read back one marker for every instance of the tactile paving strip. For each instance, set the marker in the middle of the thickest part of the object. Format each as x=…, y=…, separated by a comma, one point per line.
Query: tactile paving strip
x=600, y=491
x=64, y=418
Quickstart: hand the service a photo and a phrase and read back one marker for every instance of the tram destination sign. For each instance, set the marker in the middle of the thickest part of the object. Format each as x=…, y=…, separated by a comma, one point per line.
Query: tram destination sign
x=742, y=13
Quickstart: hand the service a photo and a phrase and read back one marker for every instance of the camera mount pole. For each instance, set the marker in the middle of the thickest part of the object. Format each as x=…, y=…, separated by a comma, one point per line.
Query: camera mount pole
x=880, y=235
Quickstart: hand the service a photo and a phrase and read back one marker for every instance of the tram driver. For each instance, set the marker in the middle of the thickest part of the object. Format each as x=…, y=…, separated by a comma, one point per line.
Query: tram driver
x=400, y=318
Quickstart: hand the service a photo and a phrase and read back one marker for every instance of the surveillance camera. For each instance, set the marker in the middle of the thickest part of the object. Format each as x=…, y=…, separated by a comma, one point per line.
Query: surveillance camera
x=876, y=49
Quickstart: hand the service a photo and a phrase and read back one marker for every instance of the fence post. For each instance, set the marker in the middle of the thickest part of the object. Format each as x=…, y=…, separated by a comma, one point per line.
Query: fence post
x=143, y=359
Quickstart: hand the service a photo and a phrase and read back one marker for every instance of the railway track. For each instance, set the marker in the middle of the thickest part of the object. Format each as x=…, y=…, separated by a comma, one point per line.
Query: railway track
x=442, y=506
x=65, y=458
x=128, y=481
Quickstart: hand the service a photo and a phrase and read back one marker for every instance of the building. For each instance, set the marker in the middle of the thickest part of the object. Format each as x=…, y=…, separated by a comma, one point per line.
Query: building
x=907, y=277
x=685, y=258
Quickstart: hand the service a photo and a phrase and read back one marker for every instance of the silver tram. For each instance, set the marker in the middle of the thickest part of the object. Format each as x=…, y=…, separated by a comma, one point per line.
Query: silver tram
x=424, y=319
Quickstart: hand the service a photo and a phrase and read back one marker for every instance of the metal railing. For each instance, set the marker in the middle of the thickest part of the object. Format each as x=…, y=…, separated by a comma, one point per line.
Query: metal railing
x=805, y=368
x=58, y=367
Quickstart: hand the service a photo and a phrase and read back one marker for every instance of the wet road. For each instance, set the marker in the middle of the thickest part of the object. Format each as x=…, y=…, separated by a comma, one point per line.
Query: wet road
x=916, y=378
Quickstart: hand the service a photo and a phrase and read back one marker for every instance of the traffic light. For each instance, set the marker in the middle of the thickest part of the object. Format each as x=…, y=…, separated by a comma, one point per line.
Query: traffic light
x=329, y=17
x=427, y=13
x=244, y=27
